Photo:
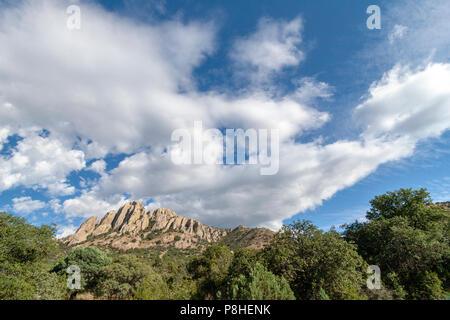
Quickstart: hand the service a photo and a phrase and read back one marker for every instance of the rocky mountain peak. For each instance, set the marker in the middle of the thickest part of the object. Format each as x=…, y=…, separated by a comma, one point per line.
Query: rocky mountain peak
x=132, y=226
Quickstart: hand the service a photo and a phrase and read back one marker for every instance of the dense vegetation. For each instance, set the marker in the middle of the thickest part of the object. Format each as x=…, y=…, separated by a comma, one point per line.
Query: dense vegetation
x=403, y=234
x=26, y=253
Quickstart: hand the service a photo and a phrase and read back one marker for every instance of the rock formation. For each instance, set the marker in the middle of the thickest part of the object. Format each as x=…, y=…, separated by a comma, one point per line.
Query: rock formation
x=133, y=227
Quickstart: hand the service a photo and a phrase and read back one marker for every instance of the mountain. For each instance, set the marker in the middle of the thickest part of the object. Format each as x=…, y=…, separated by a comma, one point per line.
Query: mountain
x=132, y=227
x=443, y=205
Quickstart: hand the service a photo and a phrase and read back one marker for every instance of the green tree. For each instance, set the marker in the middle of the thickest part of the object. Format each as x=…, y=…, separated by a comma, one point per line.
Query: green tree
x=317, y=265
x=50, y=285
x=25, y=256
x=211, y=271
x=24, y=243
x=260, y=284
x=408, y=239
x=152, y=287
x=244, y=259
x=414, y=205
x=127, y=277
x=91, y=262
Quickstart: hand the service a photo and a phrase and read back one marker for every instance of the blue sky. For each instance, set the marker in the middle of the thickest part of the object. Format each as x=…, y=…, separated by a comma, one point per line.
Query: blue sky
x=87, y=114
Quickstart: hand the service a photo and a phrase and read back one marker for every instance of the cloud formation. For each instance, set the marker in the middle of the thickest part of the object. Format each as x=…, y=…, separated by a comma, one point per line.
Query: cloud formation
x=273, y=46
x=119, y=87
x=407, y=103
x=26, y=205
x=42, y=162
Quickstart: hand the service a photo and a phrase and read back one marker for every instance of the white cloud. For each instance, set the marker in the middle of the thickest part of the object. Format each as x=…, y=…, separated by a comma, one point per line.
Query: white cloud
x=55, y=205
x=153, y=206
x=26, y=205
x=229, y=196
x=309, y=90
x=39, y=161
x=87, y=205
x=397, y=33
x=65, y=80
x=91, y=93
x=309, y=173
x=4, y=133
x=408, y=104
x=64, y=231
x=98, y=166
x=273, y=46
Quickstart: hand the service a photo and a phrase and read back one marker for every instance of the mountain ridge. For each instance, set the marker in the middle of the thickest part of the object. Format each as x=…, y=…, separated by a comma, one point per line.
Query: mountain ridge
x=132, y=227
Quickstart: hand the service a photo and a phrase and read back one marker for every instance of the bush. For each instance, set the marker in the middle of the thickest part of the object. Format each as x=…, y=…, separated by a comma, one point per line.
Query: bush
x=91, y=262
x=152, y=287
x=211, y=269
x=125, y=276
x=261, y=284
x=21, y=242
x=408, y=240
x=24, y=254
x=316, y=264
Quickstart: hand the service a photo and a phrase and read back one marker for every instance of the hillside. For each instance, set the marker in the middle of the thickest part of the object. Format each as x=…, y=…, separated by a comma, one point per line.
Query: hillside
x=443, y=205
x=132, y=227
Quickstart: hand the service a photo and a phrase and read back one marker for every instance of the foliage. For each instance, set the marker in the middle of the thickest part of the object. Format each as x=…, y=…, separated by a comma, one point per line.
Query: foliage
x=25, y=251
x=404, y=234
x=91, y=262
x=316, y=264
x=409, y=240
x=123, y=276
x=260, y=284
x=244, y=259
x=211, y=269
x=24, y=243
x=152, y=287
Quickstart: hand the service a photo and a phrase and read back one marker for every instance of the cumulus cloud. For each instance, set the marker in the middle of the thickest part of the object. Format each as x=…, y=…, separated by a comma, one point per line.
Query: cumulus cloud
x=40, y=161
x=27, y=205
x=88, y=205
x=410, y=104
x=309, y=173
x=55, y=205
x=227, y=196
x=85, y=84
x=273, y=46
x=310, y=90
x=98, y=166
x=116, y=86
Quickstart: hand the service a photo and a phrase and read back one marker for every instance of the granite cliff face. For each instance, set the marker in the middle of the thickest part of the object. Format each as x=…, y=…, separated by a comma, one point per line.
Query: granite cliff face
x=133, y=227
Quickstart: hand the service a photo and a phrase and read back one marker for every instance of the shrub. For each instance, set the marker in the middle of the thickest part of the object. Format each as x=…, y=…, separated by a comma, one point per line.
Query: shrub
x=91, y=262
x=316, y=263
x=261, y=284
x=408, y=240
x=24, y=253
x=211, y=269
x=125, y=276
